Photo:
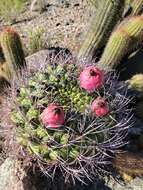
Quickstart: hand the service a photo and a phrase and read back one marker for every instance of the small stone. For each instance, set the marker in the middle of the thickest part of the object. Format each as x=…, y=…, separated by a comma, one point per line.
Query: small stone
x=13, y=177
x=38, y=5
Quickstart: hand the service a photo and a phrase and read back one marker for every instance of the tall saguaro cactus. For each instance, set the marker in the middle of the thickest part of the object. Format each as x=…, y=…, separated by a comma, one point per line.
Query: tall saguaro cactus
x=103, y=22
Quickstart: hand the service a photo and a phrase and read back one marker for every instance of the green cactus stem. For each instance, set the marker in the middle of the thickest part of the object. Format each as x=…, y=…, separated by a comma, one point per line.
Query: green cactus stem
x=102, y=23
x=95, y=3
x=124, y=39
x=12, y=49
x=137, y=6
x=5, y=72
x=134, y=27
x=116, y=48
x=136, y=83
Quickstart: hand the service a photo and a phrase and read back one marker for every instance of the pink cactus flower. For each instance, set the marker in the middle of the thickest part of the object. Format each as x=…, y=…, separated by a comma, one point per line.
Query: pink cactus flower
x=91, y=78
x=53, y=116
x=99, y=107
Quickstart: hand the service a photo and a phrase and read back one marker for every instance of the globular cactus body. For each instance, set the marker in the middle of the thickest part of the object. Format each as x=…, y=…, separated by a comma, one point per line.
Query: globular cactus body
x=103, y=22
x=81, y=129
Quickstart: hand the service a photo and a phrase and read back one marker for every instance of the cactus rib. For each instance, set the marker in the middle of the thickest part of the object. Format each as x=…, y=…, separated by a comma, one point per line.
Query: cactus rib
x=137, y=6
x=101, y=26
x=12, y=49
x=116, y=47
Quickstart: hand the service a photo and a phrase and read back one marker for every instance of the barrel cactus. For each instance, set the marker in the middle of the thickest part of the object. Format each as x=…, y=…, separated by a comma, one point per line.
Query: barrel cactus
x=67, y=117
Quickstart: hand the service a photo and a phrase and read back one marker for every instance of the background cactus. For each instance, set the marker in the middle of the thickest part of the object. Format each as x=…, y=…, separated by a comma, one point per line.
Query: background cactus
x=116, y=48
x=104, y=20
x=12, y=50
x=120, y=42
x=84, y=145
x=136, y=6
x=136, y=83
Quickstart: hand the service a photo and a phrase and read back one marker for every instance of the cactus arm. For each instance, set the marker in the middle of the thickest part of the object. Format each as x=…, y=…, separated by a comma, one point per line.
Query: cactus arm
x=122, y=40
x=137, y=6
x=12, y=49
x=95, y=3
x=116, y=47
x=102, y=23
x=134, y=27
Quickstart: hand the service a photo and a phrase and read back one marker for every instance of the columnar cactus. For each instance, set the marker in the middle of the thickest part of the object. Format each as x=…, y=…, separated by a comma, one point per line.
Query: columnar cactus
x=12, y=49
x=68, y=117
x=136, y=83
x=134, y=27
x=128, y=33
x=116, y=48
x=104, y=20
x=5, y=72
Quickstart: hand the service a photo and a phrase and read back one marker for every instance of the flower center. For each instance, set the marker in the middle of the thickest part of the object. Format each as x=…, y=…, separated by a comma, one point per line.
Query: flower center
x=102, y=104
x=93, y=73
x=57, y=111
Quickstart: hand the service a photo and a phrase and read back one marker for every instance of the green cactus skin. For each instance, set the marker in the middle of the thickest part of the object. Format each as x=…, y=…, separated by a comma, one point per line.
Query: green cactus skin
x=78, y=138
x=116, y=48
x=137, y=6
x=134, y=27
x=66, y=94
x=95, y=3
x=5, y=72
x=104, y=20
x=122, y=40
x=136, y=83
x=12, y=49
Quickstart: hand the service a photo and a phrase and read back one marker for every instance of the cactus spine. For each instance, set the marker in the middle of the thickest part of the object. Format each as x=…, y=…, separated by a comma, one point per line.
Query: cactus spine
x=104, y=20
x=12, y=49
x=116, y=48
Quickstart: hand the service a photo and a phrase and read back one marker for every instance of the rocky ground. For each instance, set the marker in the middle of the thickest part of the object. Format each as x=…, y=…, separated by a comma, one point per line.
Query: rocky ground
x=63, y=22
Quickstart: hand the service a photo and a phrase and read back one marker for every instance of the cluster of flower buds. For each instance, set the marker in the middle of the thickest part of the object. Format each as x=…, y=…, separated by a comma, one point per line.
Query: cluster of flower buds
x=90, y=79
